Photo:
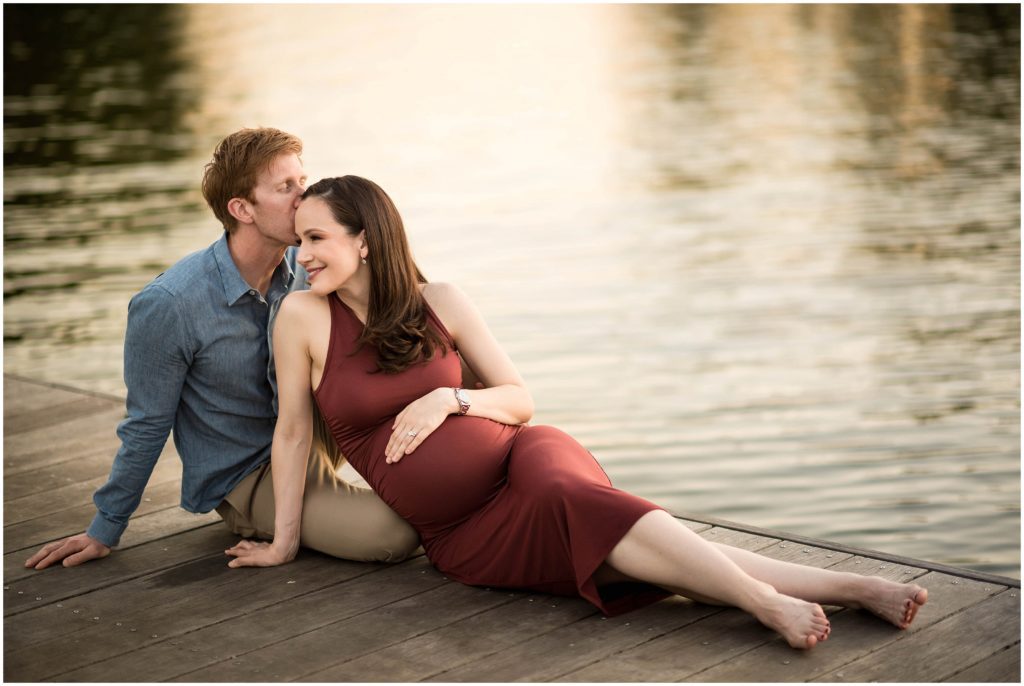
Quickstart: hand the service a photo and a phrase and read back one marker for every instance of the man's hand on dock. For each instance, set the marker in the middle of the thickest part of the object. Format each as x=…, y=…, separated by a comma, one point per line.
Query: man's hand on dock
x=73, y=550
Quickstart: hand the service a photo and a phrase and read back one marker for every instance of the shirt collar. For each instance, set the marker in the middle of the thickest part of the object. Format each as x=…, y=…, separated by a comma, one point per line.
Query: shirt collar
x=234, y=285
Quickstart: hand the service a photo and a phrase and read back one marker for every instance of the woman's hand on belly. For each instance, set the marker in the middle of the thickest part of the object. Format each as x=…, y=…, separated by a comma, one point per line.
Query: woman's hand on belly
x=418, y=420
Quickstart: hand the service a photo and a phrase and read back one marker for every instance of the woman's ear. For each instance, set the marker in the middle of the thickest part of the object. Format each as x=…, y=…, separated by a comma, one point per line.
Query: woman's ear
x=240, y=209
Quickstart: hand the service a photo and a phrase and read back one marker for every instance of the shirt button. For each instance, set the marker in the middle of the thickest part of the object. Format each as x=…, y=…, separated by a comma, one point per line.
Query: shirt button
x=252, y=292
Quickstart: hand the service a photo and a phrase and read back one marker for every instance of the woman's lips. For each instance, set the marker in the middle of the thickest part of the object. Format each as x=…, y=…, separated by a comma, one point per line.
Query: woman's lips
x=313, y=272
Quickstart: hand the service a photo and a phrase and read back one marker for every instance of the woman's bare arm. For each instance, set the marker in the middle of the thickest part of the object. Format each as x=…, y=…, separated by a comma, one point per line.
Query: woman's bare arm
x=504, y=397
x=292, y=437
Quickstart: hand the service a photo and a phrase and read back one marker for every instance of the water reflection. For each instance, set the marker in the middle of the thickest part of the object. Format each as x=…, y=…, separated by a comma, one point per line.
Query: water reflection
x=94, y=113
x=95, y=106
x=93, y=85
x=763, y=260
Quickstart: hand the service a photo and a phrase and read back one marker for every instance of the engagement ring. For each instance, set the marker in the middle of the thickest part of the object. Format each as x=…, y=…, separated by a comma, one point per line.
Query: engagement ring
x=411, y=434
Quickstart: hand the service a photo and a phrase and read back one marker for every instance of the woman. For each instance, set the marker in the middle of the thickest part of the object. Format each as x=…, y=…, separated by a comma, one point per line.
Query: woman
x=496, y=502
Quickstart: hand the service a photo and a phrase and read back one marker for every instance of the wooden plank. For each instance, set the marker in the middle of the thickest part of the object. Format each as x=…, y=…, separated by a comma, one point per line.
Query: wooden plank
x=738, y=539
x=48, y=478
x=74, y=520
x=694, y=526
x=590, y=643
x=162, y=523
x=979, y=630
x=142, y=529
x=1003, y=667
x=854, y=633
x=15, y=383
x=788, y=551
x=52, y=445
x=21, y=396
x=724, y=636
x=81, y=467
x=551, y=655
x=233, y=638
x=330, y=644
x=77, y=493
x=472, y=638
x=56, y=413
x=116, y=620
x=23, y=587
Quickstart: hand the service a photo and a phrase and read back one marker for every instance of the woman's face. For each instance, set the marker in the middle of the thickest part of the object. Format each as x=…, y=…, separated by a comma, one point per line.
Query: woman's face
x=326, y=250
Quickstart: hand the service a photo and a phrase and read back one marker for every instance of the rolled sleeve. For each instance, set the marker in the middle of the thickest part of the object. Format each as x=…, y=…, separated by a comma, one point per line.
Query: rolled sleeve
x=157, y=356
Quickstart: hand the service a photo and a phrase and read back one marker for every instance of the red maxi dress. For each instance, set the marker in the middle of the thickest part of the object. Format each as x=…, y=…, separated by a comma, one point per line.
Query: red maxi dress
x=495, y=505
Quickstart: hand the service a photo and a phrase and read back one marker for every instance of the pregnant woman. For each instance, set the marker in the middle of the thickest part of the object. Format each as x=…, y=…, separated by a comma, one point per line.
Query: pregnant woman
x=496, y=502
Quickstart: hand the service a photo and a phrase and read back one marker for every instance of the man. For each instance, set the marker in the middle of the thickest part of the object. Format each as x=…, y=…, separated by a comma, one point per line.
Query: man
x=197, y=359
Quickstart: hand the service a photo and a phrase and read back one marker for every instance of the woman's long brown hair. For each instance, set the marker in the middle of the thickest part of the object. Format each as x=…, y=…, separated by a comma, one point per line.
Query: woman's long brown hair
x=396, y=321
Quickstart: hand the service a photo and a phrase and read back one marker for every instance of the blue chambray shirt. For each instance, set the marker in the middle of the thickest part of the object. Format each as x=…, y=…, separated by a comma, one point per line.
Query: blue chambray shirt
x=197, y=359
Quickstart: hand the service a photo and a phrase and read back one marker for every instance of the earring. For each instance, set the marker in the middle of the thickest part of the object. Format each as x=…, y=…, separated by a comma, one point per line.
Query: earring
x=364, y=260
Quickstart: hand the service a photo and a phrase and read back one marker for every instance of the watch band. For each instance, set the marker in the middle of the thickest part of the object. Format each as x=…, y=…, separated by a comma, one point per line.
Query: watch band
x=462, y=399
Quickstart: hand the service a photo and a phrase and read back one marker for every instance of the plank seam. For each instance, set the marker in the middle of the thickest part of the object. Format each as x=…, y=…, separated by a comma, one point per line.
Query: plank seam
x=904, y=635
x=273, y=643
x=1015, y=644
x=28, y=575
x=64, y=387
x=158, y=481
x=763, y=546
x=113, y=582
x=422, y=633
x=78, y=531
x=169, y=637
x=415, y=636
x=682, y=627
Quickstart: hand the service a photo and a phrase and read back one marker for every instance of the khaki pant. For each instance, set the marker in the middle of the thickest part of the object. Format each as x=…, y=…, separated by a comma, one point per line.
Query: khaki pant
x=338, y=519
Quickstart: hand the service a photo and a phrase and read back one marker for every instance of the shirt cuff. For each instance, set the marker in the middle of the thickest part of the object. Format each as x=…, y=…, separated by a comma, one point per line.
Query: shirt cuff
x=105, y=531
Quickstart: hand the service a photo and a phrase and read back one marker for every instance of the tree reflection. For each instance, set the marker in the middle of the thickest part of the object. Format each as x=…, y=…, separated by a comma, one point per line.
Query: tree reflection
x=94, y=85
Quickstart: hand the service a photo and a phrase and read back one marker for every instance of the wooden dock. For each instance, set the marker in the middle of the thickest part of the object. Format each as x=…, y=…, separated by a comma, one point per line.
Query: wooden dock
x=165, y=607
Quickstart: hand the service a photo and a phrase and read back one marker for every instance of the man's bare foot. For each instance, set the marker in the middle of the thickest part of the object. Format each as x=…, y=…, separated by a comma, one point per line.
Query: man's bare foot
x=894, y=602
x=802, y=624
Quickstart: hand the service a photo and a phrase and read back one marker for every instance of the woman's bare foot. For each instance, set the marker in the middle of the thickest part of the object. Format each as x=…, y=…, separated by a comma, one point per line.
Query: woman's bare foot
x=802, y=624
x=892, y=601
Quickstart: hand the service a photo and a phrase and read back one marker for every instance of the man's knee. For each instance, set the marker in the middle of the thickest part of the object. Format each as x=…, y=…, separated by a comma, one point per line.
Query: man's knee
x=391, y=539
x=355, y=524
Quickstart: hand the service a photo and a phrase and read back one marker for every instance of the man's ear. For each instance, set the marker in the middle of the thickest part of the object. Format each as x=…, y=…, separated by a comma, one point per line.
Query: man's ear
x=240, y=209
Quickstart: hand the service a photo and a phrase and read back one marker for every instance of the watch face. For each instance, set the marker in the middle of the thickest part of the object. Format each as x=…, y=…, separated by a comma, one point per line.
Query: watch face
x=462, y=396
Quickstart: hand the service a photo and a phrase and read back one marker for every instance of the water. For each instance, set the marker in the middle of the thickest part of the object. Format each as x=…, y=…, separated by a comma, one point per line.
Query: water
x=763, y=260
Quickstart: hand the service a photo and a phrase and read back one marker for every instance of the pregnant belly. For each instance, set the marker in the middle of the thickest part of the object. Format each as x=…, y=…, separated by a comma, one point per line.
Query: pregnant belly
x=451, y=475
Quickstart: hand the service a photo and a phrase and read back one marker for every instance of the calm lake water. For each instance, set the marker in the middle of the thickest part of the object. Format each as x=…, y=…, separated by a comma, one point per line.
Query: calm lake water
x=763, y=260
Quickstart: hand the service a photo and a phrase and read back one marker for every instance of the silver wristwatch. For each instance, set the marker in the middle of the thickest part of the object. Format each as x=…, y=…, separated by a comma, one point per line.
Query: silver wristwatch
x=463, y=398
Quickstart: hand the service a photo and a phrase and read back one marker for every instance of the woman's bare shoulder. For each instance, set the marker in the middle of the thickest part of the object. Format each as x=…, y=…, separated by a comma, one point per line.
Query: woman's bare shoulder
x=452, y=305
x=441, y=293
x=303, y=305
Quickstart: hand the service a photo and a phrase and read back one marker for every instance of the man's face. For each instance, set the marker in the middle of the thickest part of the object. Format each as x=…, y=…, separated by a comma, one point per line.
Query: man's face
x=276, y=195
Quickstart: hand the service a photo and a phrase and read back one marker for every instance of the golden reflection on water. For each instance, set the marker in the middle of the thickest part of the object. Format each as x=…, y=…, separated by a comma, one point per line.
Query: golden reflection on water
x=524, y=93
x=762, y=260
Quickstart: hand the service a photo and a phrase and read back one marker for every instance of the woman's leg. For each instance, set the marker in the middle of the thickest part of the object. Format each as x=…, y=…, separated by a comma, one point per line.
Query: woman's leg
x=892, y=601
x=660, y=550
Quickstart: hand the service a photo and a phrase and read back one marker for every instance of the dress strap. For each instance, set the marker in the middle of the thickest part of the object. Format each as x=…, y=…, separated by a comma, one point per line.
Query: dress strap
x=439, y=325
